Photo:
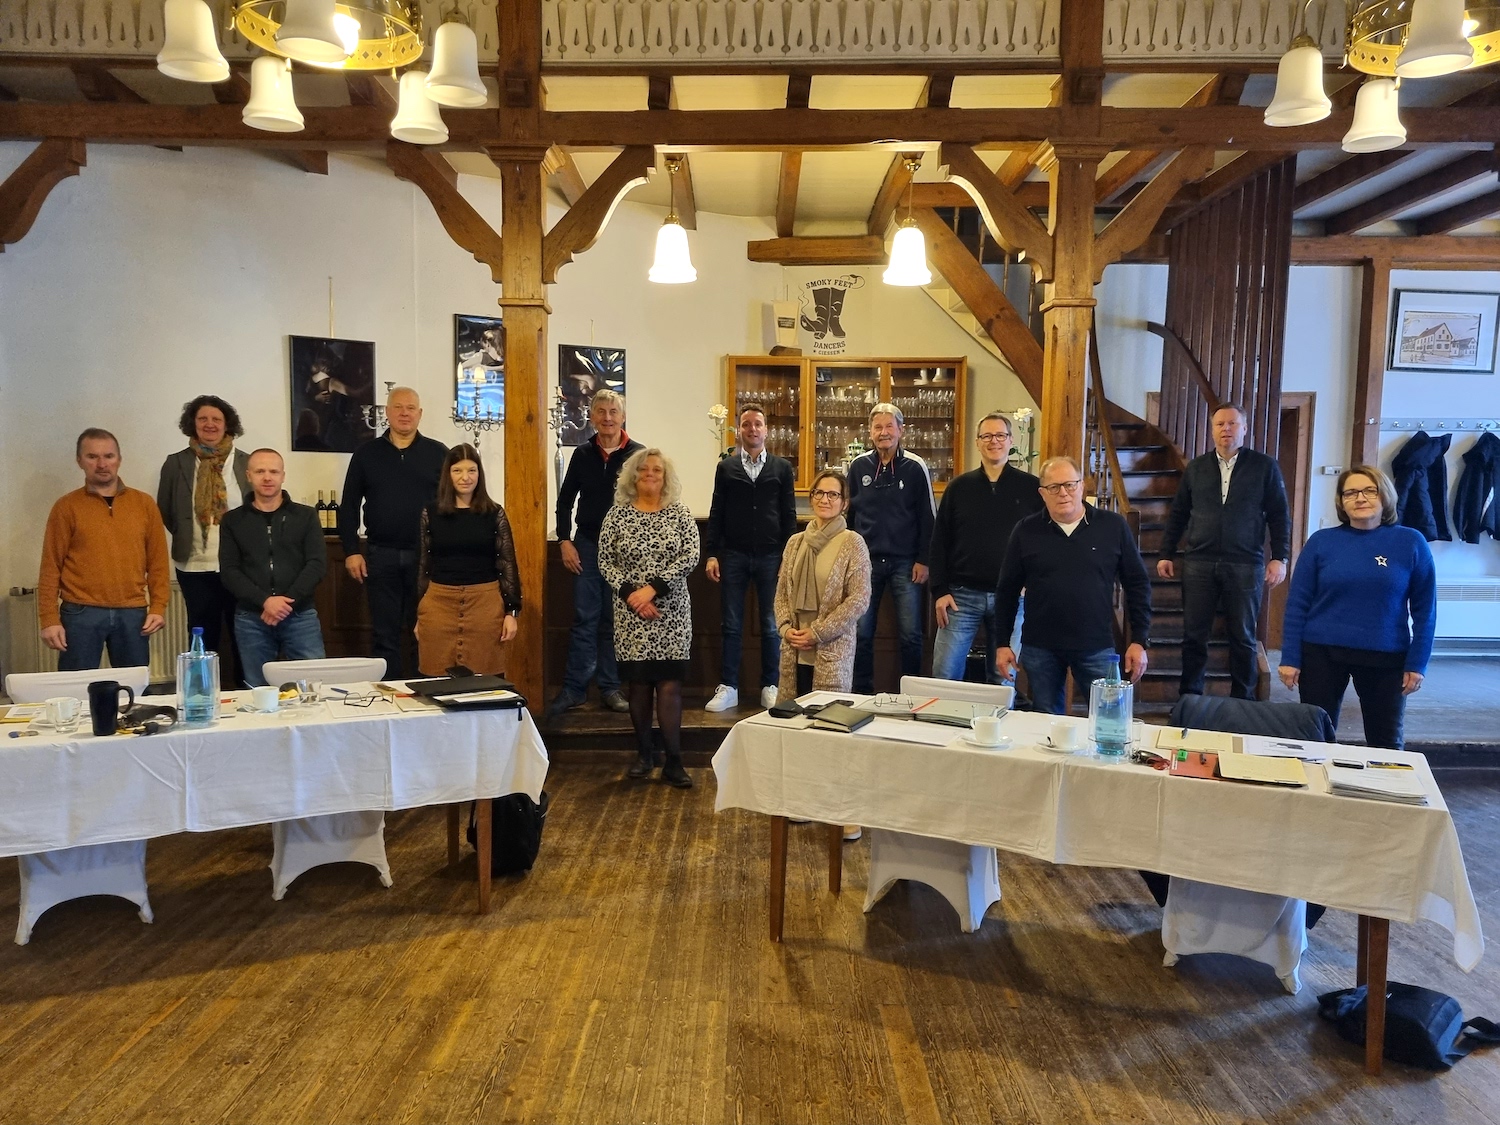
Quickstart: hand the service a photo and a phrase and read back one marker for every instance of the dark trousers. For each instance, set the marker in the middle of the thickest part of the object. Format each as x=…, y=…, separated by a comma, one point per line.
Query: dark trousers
x=804, y=678
x=1234, y=589
x=1326, y=672
x=391, y=586
x=893, y=571
x=210, y=607
x=737, y=570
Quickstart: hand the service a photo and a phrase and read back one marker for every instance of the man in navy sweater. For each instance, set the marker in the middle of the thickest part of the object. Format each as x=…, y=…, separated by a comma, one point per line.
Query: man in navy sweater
x=1068, y=560
x=751, y=517
x=890, y=506
x=1224, y=503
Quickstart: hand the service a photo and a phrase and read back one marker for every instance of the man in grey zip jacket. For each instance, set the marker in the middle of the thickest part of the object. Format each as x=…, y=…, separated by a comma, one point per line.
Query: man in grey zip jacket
x=272, y=556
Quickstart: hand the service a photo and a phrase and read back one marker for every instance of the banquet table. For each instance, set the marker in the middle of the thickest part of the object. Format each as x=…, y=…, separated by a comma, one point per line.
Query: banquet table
x=65, y=790
x=1382, y=861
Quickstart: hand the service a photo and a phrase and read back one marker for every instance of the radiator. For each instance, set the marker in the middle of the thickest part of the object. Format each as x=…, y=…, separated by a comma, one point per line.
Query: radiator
x=29, y=654
x=1469, y=609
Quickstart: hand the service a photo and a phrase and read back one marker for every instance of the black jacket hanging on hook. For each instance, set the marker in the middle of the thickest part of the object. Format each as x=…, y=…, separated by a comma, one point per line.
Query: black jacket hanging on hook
x=1422, y=485
x=1476, y=506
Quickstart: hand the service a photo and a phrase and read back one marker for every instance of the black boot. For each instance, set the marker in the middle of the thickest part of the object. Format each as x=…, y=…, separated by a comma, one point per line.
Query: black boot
x=641, y=767
x=673, y=773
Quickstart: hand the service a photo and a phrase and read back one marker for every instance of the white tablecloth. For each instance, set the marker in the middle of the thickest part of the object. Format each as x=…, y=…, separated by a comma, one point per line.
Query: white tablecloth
x=1368, y=857
x=62, y=791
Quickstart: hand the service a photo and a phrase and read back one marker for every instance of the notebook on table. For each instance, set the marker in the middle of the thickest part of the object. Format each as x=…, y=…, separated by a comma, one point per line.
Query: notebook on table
x=840, y=717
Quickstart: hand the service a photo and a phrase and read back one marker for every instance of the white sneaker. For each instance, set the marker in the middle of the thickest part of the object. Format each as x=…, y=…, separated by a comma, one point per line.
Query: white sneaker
x=724, y=698
x=768, y=697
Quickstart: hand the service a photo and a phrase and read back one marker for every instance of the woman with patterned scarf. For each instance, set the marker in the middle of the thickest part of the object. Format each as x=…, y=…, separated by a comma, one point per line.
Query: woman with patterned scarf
x=198, y=485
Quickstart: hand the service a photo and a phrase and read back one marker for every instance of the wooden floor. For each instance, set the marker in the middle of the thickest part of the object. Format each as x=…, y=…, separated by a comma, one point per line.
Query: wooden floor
x=629, y=979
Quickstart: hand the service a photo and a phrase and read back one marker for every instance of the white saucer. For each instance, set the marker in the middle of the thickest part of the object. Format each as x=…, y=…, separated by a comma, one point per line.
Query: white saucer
x=1046, y=744
x=1003, y=744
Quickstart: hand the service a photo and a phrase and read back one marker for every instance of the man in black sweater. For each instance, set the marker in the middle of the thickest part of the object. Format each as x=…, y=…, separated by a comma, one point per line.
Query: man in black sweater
x=271, y=558
x=1068, y=560
x=751, y=517
x=979, y=511
x=393, y=477
x=590, y=482
x=1224, y=503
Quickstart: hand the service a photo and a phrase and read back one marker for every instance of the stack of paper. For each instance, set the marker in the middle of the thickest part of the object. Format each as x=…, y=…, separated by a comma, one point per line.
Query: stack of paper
x=1266, y=771
x=1208, y=741
x=1378, y=784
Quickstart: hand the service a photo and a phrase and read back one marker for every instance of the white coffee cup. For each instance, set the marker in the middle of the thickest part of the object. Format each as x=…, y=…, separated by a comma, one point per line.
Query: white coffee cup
x=1065, y=735
x=986, y=729
x=264, y=698
x=63, y=712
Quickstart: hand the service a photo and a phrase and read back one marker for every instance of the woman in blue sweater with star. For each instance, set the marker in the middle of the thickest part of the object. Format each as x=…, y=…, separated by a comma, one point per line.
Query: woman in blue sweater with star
x=1363, y=605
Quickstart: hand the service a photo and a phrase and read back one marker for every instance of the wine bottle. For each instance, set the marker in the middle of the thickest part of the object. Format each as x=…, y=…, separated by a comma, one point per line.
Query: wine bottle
x=322, y=509
x=333, y=510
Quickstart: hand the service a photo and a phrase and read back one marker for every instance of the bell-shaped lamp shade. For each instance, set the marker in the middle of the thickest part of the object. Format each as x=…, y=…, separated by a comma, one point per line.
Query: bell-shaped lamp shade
x=417, y=119
x=1435, y=42
x=455, y=80
x=1299, y=99
x=271, y=106
x=190, y=50
x=309, y=34
x=1377, y=126
x=347, y=28
x=673, y=264
x=908, y=258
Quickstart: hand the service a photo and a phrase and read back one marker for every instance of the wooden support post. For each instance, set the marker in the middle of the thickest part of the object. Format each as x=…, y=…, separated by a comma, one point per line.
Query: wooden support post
x=26, y=189
x=1369, y=367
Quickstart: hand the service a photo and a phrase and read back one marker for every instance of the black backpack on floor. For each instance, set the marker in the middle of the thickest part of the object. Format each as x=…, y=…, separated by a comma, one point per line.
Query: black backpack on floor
x=1422, y=1027
x=516, y=825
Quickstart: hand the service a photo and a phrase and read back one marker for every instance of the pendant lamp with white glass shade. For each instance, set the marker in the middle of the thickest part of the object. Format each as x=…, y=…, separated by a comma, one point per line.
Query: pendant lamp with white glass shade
x=908, y=264
x=190, y=49
x=417, y=119
x=1299, y=98
x=309, y=33
x=1435, y=42
x=1377, y=124
x=673, y=265
x=455, y=80
x=271, y=106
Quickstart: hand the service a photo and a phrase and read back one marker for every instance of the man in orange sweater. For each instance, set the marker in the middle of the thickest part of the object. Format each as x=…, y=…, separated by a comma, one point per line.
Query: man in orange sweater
x=104, y=559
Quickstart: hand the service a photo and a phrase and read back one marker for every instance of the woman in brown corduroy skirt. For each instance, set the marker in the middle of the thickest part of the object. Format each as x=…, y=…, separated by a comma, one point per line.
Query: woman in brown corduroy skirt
x=470, y=588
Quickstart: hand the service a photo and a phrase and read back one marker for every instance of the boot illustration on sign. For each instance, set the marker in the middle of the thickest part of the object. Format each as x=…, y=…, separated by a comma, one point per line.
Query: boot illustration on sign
x=817, y=324
x=823, y=310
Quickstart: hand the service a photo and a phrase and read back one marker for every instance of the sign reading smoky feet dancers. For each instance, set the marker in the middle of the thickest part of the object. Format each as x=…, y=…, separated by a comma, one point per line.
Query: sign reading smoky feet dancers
x=822, y=307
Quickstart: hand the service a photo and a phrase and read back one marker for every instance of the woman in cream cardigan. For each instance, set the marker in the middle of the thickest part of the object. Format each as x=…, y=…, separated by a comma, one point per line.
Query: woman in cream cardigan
x=823, y=588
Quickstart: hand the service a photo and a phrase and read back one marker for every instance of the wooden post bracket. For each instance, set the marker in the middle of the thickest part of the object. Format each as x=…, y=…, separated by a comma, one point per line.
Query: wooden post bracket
x=26, y=189
x=580, y=228
x=1133, y=225
x=1014, y=227
x=437, y=180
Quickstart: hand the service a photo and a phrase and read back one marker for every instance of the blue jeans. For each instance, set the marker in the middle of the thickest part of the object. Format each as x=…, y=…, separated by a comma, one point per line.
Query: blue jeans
x=972, y=609
x=1047, y=673
x=91, y=629
x=591, y=644
x=894, y=571
x=737, y=569
x=298, y=637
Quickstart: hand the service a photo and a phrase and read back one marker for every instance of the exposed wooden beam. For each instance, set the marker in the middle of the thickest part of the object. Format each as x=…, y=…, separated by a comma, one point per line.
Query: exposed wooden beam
x=1014, y=227
x=99, y=85
x=559, y=165
x=368, y=90
x=1369, y=367
x=683, y=196
x=312, y=161
x=1433, y=250
x=659, y=92
x=844, y=250
x=25, y=190
x=1460, y=214
x=1081, y=51
x=939, y=91
x=1131, y=165
x=1344, y=175
x=897, y=178
x=233, y=91
x=437, y=180
x=1195, y=197
x=1017, y=166
x=1231, y=87
x=580, y=228
x=7, y=95
x=786, y=193
x=1388, y=204
x=798, y=90
x=989, y=305
x=1033, y=194
x=1134, y=224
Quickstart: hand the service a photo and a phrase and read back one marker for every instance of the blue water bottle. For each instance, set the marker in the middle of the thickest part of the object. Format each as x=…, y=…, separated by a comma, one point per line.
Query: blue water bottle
x=198, y=683
x=1111, y=704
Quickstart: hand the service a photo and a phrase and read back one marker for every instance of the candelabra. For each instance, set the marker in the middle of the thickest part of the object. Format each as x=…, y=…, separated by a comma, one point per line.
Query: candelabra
x=374, y=416
x=477, y=420
x=555, y=416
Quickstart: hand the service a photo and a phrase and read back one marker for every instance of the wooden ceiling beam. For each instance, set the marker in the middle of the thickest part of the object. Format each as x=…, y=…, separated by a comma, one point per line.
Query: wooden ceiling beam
x=437, y=180
x=1016, y=167
x=25, y=190
x=841, y=250
x=1033, y=195
x=892, y=188
x=798, y=90
x=1134, y=224
x=580, y=228
x=939, y=91
x=684, y=199
x=1013, y=226
x=98, y=85
x=1459, y=215
x=659, y=92
x=786, y=193
x=7, y=95
x=311, y=160
x=566, y=177
x=367, y=90
x=1125, y=171
x=234, y=91
x=1438, y=250
x=1391, y=203
x=1344, y=175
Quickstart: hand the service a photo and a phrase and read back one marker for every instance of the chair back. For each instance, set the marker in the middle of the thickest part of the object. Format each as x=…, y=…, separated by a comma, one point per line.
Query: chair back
x=339, y=670
x=37, y=687
x=996, y=694
x=1248, y=716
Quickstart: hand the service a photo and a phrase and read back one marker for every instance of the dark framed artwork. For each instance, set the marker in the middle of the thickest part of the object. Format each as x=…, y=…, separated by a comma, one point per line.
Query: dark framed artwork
x=333, y=381
x=581, y=371
x=1433, y=330
x=479, y=352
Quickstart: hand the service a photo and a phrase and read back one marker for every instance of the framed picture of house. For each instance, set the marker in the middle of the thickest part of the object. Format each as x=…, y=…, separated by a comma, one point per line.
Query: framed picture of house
x=1433, y=330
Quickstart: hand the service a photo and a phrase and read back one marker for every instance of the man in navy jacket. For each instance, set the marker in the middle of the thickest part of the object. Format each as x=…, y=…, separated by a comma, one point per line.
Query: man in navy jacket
x=890, y=505
x=1224, y=504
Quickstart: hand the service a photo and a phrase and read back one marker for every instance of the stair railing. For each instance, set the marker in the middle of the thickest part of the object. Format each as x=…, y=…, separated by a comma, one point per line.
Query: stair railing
x=1101, y=461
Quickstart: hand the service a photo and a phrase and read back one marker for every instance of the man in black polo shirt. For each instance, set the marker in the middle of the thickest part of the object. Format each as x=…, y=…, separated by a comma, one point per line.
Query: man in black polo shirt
x=590, y=482
x=393, y=477
x=751, y=517
x=1068, y=560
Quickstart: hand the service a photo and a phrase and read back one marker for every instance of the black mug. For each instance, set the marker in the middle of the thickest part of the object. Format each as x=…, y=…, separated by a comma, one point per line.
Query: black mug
x=104, y=704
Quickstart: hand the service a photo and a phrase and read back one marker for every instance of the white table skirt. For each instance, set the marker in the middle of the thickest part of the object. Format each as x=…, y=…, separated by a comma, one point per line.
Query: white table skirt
x=63, y=791
x=1368, y=857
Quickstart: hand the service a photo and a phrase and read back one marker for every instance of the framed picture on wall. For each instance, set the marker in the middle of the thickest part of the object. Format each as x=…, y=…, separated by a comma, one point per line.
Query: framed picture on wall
x=1433, y=330
x=479, y=352
x=333, y=381
x=581, y=371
